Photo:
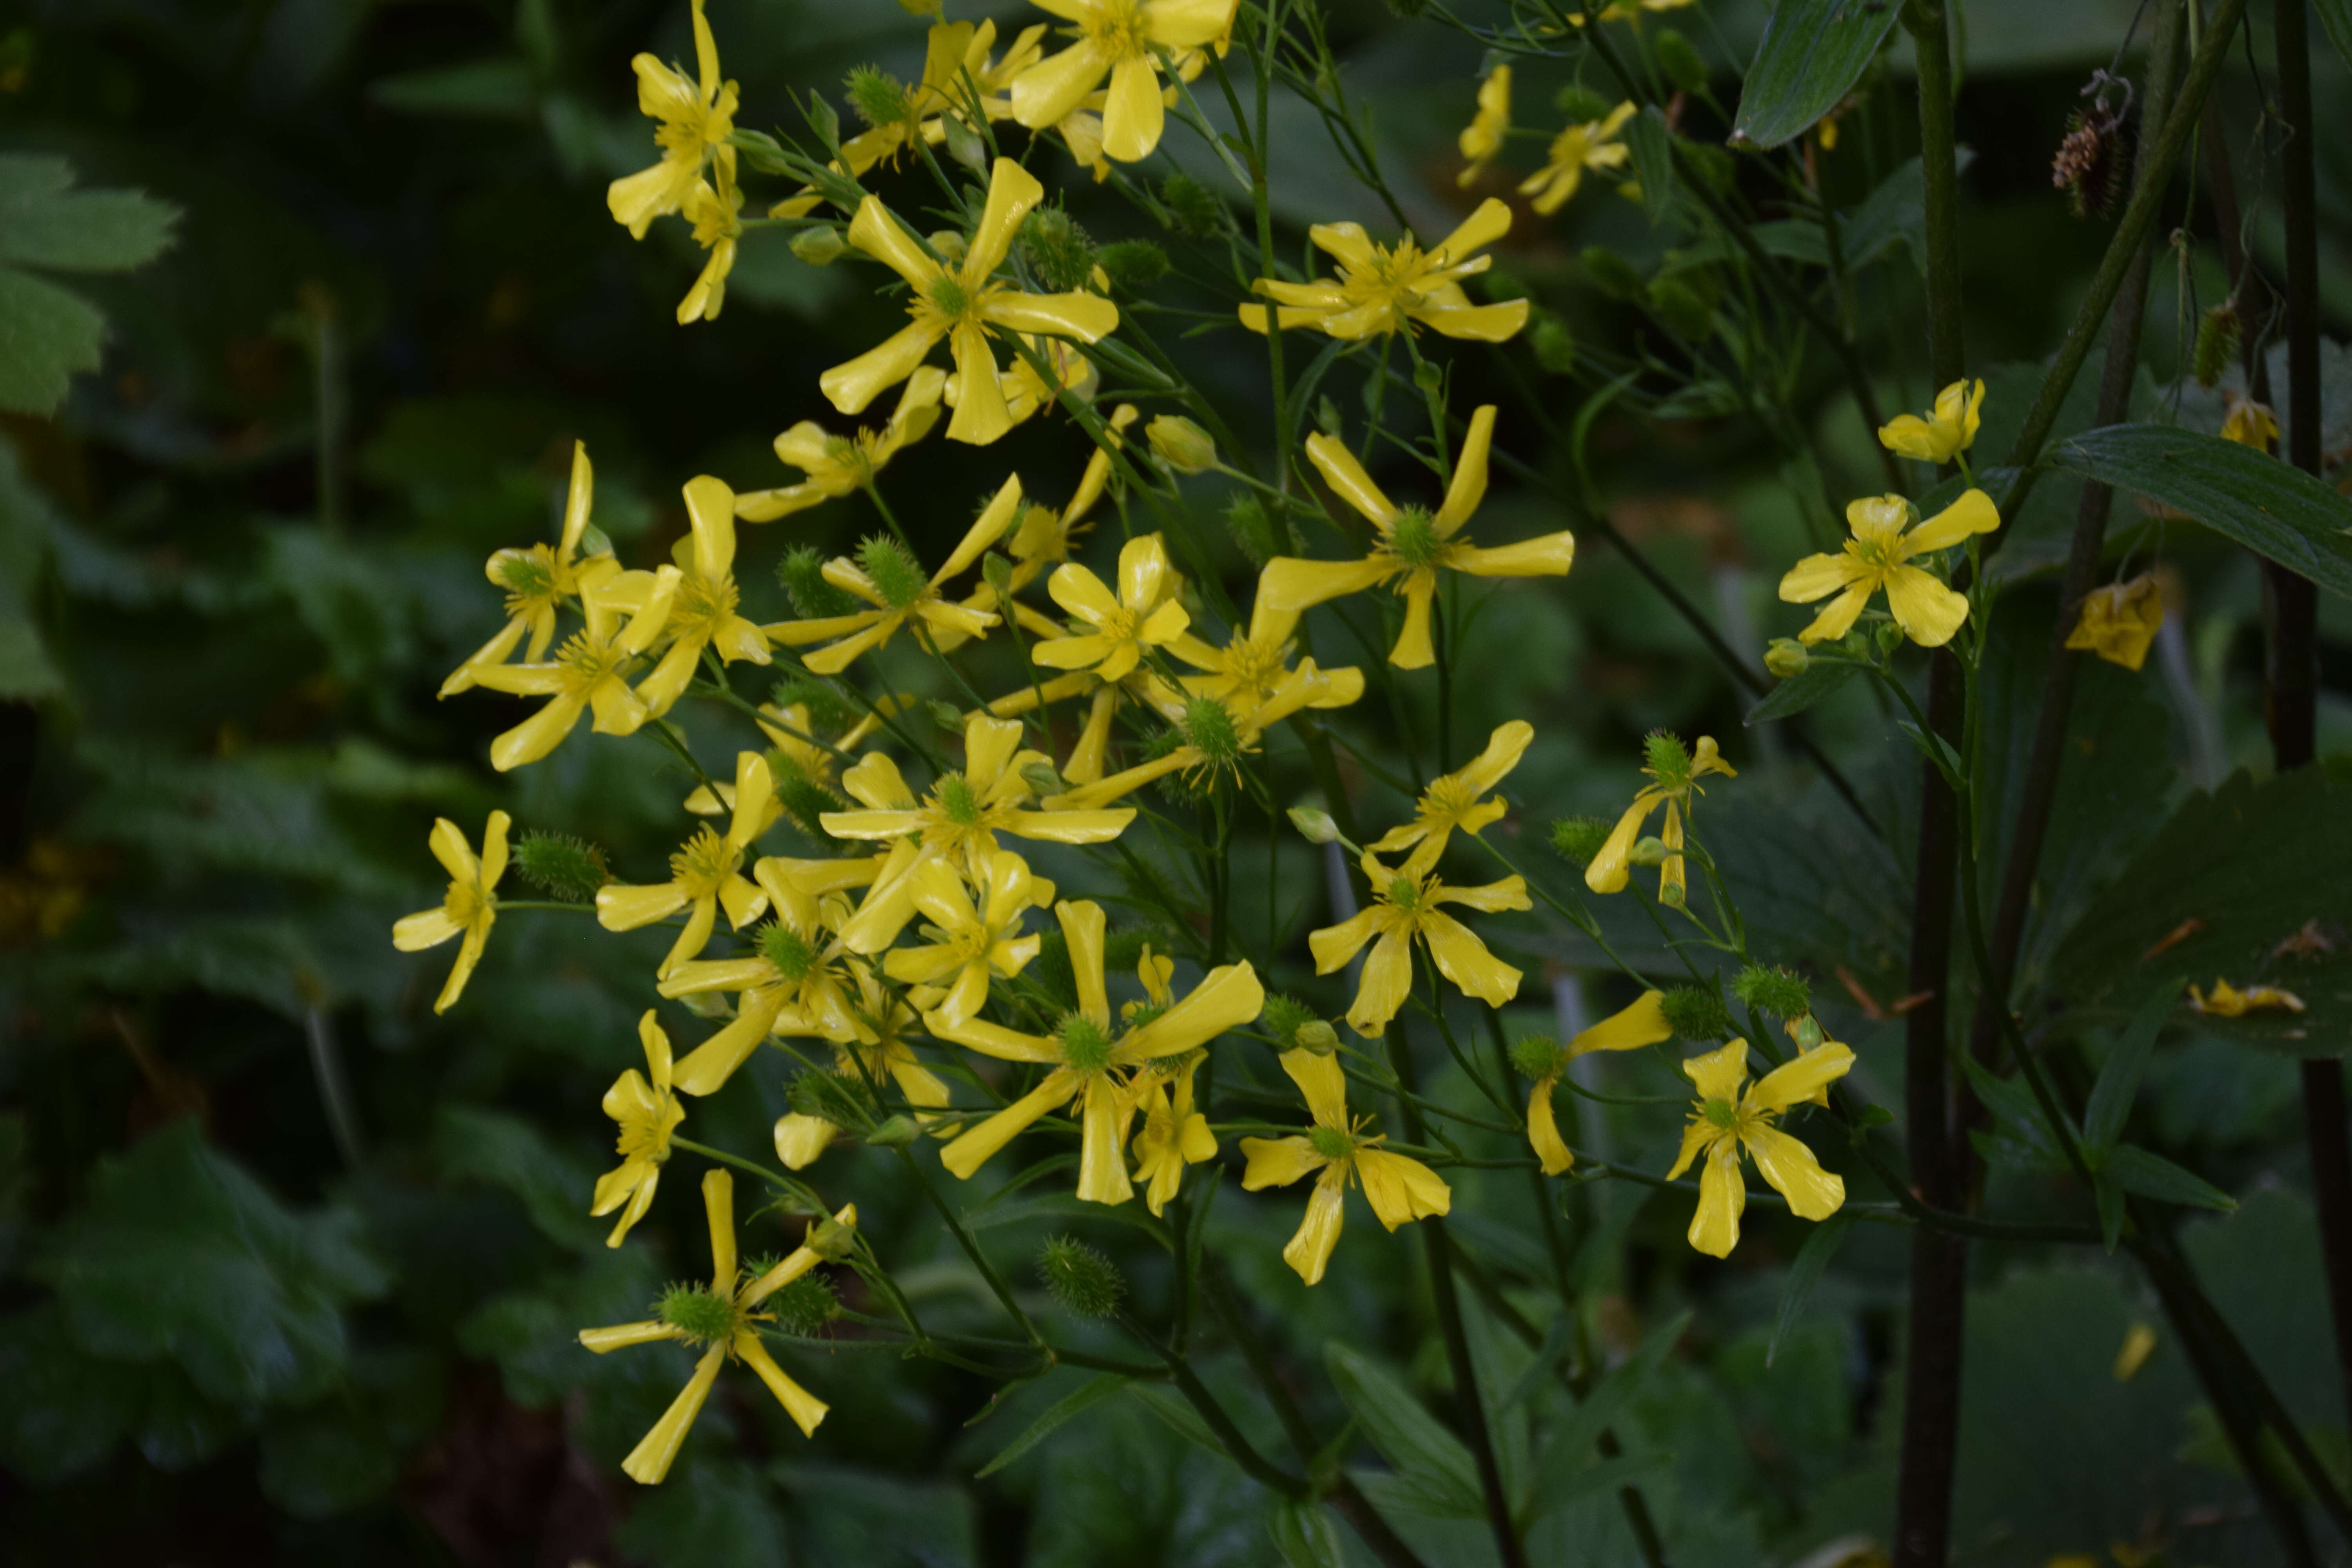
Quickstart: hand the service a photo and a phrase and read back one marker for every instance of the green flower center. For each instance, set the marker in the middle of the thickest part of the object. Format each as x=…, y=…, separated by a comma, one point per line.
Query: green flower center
x=1720, y=1113
x=1086, y=1046
x=787, y=952
x=1209, y=730
x=531, y=576
x=957, y=803
x=893, y=572
x=698, y=1312
x=1413, y=538
x=1330, y=1142
x=1667, y=760
x=1120, y=26
x=948, y=297
x=1404, y=893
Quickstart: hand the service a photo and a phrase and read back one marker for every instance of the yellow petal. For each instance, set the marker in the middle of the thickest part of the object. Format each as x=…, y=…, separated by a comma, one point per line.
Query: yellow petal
x=650, y=1460
x=1323, y=1082
x=1387, y=982
x=1927, y=611
x=1333, y=946
x=1469, y=486
x=882, y=237
x=1801, y=1077
x=973, y=1147
x=426, y=928
x=1083, y=928
x=1133, y=114
x=801, y=1139
x=1413, y=649
x=1543, y=1132
x=806, y=1408
x=1785, y=1163
x=1227, y=997
x=1292, y=584
x=1047, y=92
x=1400, y=1188
x=1722, y=1196
x=1347, y=477
x=603, y=1341
x=854, y=383
x=1641, y=1023
x=1818, y=576
x=1476, y=323
x=1607, y=873
x=1012, y=191
x=1548, y=555
x=469, y=954
x=1717, y=1074
x=1972, y=513
x=718, y=1208
x=1309, y=1251
x=1462, y=959
x=1837, y=617
x=1277, y=1161
x=624, y=908
x=1102, y=1173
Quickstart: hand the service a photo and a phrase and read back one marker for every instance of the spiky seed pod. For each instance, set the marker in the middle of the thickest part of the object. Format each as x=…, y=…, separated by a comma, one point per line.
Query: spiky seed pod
x=2090, y=164
x=2217, y=344
x=1083, y=1282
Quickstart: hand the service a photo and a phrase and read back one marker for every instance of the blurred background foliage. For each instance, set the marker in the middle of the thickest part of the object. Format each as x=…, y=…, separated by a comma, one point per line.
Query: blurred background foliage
x=290, y=1268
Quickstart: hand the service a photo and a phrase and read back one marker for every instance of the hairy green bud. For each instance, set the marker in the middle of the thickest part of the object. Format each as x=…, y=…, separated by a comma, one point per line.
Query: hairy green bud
x=1613, y=274
x=1554, y=345
x=1680, y=61
x=2217, y=344
x=1082, y=1281
x=1666, y=758
x=1197, y=210
x=1133, y=263
x=695, y=1311
x=827, y=708
x=800, y=574
x=1209, y=728
x=1698, y=1013
x=562, y=866
x=1578, y=838
x=1535, y=1056
x=1251, y=529
x=1282, y=1018
x=805, y=802
x=829, y=1097
x=1579, y=105
x=877, y=98
x=1774, y=990
x=1059, y=251
x=804, y=1306
x=893, y=572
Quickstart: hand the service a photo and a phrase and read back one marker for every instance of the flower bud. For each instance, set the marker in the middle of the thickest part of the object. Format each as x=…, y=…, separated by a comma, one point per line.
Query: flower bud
x=1315, y=1037
x=965, y=144
x=895, y=1132
x=1315, y=827
x=708, y=1004
x=1180, y=443
x=1428, y=377
x=1651, y=850
x=997, y=571
x=1042, y=779
x=832, y=1239
x=562, y=866
x=1554, y=345
x=1808, y=1033
x=945, y=714
x=1680, y=61
x=820, y=244
x=1890, y=637
x=1785, y=656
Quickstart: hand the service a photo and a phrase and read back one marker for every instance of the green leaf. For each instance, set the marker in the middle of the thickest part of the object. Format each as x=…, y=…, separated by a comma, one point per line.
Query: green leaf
x=2108, y=1191
x=1653, y=143
x=2013, y=1100
x=1431, y=1462
x=2272, y=508
x=1180, y=1418
x=179, y=1255
x=1562, y=1461
x=1811, y=54
x=1804, y=1274
x=1307, y=1535
x=65, y=1408
x=47, y=337
x=2225, y=888
x=2154, y=1176
x=44, y=223
x=1091, y=1393
x=477, y=90
x=2111, y=1097
x=471, y=1144
x=1817, y=682
x=2336, y=16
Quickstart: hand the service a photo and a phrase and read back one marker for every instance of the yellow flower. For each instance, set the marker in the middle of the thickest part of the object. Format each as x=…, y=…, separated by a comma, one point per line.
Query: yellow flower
x=887, y=578
x=1629, y=10
x=1120, y=39
x=703, y=613
x=590, y=671
x=1216, y=735
x=539, y=581
x=697, y=117
x=1725, y=1122
x=1172, y=1134
x=1045, y=536
x=725, y=1318
x=837, y=464
x=1026, y=392
x=1142, y=614
x=1412, y=546
x=961, y=304
x=2226, y=1001
x=1674, y=774
x=1483, y=137
x=1385, y=288
x=1946, y=432
x=1642, y=1024
x=1451, y=800
x=801, y=1137
x=647, y=1113
x=1337, y=1151
x=1254, y=663
x=469, y=908
x=2119, y=621
x=706, y=872
x=1591, y=145
x=971, y=941
x=1406, y=904
x=1878, y=556
x=1089, y=1061
x=961, y=818
x=792, y=984
x=716, y=213
x=2250, y=424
